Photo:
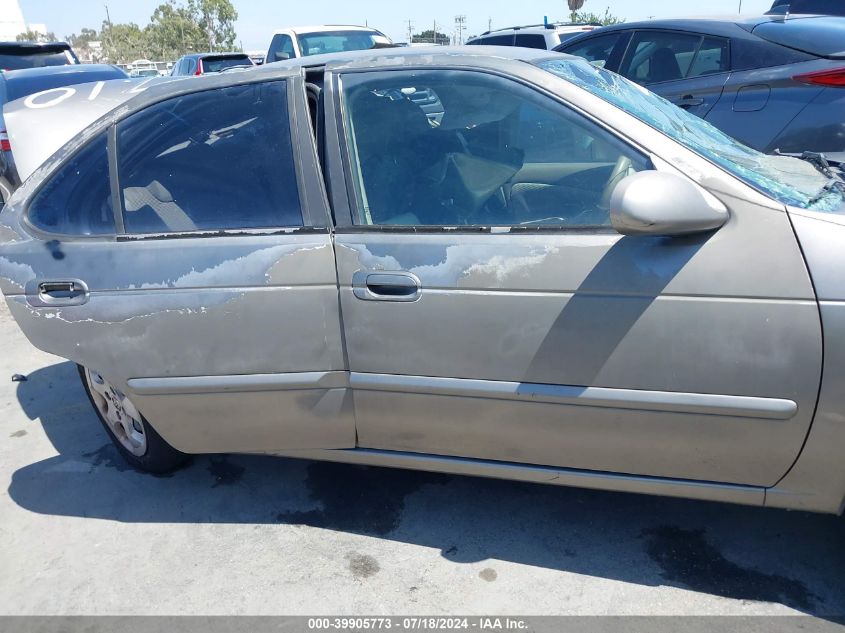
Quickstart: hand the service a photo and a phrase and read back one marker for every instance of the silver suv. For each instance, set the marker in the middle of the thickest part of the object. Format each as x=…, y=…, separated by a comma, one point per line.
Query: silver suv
x=545, y=36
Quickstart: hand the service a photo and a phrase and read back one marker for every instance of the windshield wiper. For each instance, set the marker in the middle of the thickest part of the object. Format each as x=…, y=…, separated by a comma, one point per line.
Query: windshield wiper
x=817, y=160
x=833, y=183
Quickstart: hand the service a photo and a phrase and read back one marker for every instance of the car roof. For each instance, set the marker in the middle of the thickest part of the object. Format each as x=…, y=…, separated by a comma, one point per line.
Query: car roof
x=715, y=25
x=432, y=55
x=552, y=27
x=326, y=28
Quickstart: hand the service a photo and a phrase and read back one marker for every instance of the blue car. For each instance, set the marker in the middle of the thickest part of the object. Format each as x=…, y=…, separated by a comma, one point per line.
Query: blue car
x=772, y=82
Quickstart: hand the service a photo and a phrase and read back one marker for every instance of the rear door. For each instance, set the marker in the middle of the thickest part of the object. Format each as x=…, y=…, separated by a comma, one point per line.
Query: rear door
x=184, y=254
x=491, y=312
x=688, y=69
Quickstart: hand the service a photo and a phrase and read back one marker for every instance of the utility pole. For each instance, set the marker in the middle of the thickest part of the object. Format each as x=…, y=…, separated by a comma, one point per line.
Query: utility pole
x=740, y=6
x=110, y=39
x=410, y=32
x=489, y=24
x=460, y=22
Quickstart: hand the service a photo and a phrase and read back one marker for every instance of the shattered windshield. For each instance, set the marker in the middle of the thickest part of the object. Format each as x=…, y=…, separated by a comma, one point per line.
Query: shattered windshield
x=788, y=180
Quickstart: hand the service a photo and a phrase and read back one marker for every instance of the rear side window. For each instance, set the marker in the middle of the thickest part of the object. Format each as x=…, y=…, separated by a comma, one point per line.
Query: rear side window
x=712, y=57
x=530, y=41
x=213, y=160
x=77, y=199
x=596, y=50
x=494, y=40
x=658, y=56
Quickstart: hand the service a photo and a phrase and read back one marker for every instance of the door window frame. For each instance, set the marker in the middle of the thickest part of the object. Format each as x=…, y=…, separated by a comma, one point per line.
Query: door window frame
x=316, y=216
x=345, y=201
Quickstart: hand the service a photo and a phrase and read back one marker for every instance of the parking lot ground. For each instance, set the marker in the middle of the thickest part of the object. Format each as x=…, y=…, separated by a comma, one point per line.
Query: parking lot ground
x=81, y=533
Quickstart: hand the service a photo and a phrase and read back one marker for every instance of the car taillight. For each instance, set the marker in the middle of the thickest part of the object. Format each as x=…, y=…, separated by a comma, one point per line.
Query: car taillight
x=4, y=142
x=199, y=67
x=835, y=78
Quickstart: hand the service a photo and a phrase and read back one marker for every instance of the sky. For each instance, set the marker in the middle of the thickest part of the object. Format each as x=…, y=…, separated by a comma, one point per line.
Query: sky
x=258, y=18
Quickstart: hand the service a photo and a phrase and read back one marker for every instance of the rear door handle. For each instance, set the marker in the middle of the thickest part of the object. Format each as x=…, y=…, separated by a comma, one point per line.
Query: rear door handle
x=64, y=292
x=688, y=101
x=386, y=286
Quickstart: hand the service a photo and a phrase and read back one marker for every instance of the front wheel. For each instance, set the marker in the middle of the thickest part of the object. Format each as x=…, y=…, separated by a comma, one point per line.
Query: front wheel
x=137, y=441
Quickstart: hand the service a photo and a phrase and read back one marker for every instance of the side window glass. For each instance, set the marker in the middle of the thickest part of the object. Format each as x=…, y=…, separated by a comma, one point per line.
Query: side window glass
x=77, y=199
x=281, y=48
x=530, y=41
x=596, y=50
x=713, y=57
x=212, y=160
x=659, y=57
x=494, y=154
x=497, y=40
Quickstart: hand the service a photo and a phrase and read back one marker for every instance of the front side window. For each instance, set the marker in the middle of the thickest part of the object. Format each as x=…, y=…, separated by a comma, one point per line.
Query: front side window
x=212, y=160
x=495, y=153
x=788, y=180
x=596, y=50
x=281, y=48
x=77, y=199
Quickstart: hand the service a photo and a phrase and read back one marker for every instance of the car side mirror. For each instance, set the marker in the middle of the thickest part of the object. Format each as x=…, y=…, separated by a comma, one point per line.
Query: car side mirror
x=280, y=56
x=662, y=203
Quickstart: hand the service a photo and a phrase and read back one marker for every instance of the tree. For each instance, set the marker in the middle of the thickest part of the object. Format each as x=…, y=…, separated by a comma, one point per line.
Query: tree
x=597, y=18
x=217, y=20
x=123, y=43
x=82, y=45
x=35, y=36
x=174, y=30
x=430, y=37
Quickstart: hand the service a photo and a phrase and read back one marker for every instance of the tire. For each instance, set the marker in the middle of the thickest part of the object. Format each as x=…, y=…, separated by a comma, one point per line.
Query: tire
x=141, y=446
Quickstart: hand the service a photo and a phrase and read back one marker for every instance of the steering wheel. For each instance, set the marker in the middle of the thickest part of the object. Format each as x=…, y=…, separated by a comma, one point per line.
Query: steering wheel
x=620, y=171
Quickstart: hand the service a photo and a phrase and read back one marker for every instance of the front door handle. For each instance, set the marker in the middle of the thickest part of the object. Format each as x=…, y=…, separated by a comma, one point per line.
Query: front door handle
x=386, y=286
x=61, y=292
x=688, y=101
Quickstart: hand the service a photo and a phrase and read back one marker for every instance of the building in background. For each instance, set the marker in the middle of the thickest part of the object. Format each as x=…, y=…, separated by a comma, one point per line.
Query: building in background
x=12, y=23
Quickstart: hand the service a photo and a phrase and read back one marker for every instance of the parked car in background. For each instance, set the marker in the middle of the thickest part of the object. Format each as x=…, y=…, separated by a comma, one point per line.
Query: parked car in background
x=566, y=279
x=304, y=41
x=144, y=72
x=546, y=36
x=205, y=63
x=257, y=57
x=20, y=55
x=814, y=7
x=17, y=84
x=768, y=82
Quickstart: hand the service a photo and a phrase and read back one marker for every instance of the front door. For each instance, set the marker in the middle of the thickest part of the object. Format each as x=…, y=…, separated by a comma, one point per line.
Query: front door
x=491, y=312
x=210, y=296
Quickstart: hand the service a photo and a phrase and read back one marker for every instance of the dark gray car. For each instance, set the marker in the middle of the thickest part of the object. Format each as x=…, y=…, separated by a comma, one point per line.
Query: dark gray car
x=770, y=82
x=17, y=84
